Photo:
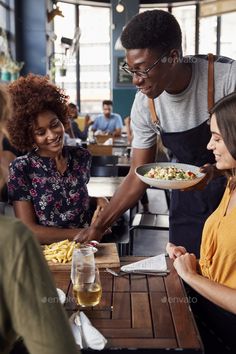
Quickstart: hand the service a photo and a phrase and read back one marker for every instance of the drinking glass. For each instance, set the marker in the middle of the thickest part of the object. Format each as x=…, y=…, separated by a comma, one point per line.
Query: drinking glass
x=85, y=277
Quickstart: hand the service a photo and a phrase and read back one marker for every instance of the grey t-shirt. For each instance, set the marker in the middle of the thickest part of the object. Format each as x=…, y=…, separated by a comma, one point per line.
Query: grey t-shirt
x=187, y=109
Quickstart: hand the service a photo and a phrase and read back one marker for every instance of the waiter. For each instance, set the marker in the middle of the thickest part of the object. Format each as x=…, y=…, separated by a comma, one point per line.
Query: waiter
x=174, y=96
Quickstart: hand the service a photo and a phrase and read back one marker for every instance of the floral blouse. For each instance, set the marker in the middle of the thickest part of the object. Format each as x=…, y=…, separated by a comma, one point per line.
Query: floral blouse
x=59, y=200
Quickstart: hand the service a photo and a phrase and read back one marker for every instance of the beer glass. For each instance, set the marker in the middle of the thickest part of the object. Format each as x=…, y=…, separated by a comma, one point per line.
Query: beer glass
x=85, y=277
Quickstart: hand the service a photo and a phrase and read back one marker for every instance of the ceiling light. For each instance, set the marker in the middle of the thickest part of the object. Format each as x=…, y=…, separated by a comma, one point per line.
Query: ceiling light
x=120, y=7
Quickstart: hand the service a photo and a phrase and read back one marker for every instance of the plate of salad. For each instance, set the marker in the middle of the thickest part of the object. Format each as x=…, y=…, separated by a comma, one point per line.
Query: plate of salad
x=169, y=175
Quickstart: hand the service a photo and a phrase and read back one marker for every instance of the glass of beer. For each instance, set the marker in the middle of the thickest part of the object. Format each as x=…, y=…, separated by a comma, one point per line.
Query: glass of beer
x=85, y=278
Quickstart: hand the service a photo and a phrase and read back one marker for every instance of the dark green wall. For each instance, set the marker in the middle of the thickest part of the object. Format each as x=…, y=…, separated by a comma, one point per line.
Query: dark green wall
x=122, y=101
x=123, y=92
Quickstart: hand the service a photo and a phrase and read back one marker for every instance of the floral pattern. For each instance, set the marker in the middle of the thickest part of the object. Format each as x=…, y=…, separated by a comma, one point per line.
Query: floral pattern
x=59, y=200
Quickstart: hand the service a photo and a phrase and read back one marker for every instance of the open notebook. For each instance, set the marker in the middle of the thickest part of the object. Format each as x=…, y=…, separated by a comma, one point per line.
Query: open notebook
x=156, y=264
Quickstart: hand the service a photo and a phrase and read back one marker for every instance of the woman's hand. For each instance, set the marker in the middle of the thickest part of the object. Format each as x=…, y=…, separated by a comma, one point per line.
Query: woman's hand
x=186, y=266
x=175, y=251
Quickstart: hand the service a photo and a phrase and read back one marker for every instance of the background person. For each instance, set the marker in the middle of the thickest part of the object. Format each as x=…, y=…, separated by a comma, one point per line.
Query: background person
x=108, y=122
x=48, y=185
x=216, y=279
x=180, y=89
x=73, y=114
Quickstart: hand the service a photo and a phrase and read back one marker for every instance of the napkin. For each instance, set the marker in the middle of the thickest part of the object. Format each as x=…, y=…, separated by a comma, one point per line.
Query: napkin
x=155, y=264
x=108, y=142
x=86, y=336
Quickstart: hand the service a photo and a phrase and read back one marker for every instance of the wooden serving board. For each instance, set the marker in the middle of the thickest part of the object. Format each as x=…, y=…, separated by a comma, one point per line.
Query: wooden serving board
x=106, y=256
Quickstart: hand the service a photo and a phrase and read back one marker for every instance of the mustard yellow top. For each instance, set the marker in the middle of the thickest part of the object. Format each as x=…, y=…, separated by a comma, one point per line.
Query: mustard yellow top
x=218, y=247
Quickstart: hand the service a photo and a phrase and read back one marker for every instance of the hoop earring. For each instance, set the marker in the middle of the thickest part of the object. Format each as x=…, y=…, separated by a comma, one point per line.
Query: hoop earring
x=35, y=147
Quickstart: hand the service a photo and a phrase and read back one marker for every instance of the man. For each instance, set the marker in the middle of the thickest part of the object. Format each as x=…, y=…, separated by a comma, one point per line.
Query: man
x=181, y=95
x=108, y=122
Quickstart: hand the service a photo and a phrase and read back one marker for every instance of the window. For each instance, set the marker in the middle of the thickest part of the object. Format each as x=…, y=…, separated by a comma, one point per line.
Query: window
x=95, y=66
x=94, y=54
x=186, y=16
x=207, y=43
x=228, y=39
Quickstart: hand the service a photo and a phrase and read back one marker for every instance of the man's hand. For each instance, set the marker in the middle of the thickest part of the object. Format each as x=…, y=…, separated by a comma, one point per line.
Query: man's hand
x=88, y=234
x=175, y=251
x=101, y=204
x=186, y=266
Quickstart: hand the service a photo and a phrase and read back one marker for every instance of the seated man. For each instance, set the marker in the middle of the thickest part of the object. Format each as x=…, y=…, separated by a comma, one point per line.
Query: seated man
x=108, y=122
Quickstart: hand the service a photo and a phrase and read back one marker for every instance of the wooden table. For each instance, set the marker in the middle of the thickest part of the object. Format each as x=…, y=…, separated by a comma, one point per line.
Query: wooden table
x=103, y=186
x=144, y=313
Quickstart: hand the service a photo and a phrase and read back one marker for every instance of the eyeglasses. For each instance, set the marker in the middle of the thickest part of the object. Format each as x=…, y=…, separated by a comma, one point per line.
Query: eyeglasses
x=142, y=73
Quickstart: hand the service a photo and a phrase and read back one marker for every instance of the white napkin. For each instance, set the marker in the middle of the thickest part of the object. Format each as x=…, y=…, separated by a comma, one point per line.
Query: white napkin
x=108, y=142
x=86, y=336
x=151, y=264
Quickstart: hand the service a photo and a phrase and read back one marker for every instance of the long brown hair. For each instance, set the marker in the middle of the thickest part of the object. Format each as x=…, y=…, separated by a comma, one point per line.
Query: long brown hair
x=225, y=113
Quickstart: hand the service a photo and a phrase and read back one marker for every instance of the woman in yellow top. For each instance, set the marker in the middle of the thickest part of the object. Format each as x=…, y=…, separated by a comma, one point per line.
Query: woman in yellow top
x=216, y=278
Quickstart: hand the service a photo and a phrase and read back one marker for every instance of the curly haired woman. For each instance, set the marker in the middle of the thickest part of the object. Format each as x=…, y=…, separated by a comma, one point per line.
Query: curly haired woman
x=48, y=185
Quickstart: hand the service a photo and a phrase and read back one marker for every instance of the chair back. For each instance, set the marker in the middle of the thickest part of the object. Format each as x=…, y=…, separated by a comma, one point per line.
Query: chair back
x=104, y=171
x=104, y=160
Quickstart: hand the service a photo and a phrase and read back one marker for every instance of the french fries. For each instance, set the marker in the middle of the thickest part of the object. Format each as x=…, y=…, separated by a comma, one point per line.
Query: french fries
x=60, y=252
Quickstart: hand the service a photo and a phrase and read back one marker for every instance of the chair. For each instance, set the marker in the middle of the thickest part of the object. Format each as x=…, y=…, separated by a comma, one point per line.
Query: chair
x=149, y=221
x=104, y=166
x=104, y=160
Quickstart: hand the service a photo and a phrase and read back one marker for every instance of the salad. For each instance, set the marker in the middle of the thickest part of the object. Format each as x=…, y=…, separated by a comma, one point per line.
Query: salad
x=169, y=173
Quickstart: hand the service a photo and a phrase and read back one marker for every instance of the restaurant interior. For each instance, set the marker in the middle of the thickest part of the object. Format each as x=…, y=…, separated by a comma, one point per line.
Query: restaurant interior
x=76, y=44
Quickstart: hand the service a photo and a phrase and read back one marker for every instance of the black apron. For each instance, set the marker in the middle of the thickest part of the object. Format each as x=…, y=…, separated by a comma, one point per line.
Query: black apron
x=189, y=210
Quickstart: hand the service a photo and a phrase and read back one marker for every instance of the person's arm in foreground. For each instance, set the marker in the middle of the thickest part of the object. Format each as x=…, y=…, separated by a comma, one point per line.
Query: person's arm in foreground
x=125, y=197
x=33, y=308
x=221, y=295
x=25, y=212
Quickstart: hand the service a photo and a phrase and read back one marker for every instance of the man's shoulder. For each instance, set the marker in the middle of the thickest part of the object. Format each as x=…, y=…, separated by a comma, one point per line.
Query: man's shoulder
x=202, y=59
x=115, y=115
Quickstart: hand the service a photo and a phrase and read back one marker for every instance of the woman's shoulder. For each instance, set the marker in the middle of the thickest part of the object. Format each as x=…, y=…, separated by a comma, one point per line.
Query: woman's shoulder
x=23, y=160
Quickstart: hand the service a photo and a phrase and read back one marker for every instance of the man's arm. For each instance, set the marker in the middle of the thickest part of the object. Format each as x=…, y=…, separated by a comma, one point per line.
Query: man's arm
x=125, y=197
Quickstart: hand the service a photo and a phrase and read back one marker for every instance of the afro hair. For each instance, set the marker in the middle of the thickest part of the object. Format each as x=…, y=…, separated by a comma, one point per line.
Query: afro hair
x=156, y=29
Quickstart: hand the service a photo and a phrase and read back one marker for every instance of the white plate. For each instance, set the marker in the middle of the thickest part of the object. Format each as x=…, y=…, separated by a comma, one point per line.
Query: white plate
x=173, y=183
x=61, y=296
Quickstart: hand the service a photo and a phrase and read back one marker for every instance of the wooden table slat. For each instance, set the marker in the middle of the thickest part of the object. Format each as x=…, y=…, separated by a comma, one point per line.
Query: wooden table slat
x=143, y=343
x=108, y=323
x=181, y=313
x=127, y=332
x=162, y=319
x=121, y=306
x=138, y=283
x=141, y=317
x=156, y=284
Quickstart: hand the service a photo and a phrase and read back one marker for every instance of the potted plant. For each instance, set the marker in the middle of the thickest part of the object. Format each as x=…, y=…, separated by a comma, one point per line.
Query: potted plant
x=62, y=69
x=15, y=68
